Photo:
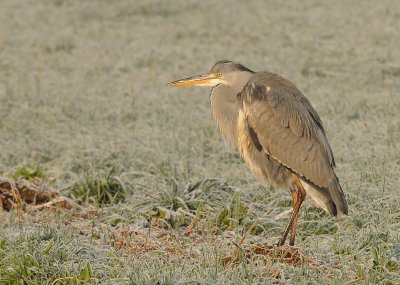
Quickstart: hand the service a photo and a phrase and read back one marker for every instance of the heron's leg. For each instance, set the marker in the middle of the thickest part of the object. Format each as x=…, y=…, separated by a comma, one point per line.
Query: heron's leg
x=294, y=223
x=301, y=194
x=289, y=226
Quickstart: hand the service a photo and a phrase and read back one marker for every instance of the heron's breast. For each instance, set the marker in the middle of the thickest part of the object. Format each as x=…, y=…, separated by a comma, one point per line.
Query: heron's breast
x=246, y=147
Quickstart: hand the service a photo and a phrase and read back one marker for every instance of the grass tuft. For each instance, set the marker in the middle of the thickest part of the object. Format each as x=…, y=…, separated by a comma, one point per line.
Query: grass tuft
x=101, y=188
x=28, y=172
x=234, y=215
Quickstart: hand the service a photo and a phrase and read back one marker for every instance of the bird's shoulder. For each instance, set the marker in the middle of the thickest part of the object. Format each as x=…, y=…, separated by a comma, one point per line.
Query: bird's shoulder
x=264, y=85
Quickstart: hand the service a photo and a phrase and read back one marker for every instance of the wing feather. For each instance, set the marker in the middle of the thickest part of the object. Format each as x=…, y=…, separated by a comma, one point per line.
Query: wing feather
x=287, y=127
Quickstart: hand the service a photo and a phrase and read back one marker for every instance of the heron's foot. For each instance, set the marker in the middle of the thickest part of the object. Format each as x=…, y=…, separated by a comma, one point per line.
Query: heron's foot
x=281, y=241
x=292, y=237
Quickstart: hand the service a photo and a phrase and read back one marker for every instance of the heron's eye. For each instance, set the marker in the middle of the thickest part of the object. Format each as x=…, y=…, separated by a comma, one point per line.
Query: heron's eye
x=219, y=74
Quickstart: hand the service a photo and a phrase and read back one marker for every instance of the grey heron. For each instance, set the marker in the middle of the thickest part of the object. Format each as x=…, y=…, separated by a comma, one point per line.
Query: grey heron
x=279, y=134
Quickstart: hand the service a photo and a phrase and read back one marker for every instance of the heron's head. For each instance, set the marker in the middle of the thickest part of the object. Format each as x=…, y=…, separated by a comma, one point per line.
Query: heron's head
x=223, y=72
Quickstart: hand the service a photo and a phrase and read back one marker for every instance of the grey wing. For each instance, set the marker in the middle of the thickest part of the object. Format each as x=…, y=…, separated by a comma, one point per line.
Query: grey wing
x=289, y=129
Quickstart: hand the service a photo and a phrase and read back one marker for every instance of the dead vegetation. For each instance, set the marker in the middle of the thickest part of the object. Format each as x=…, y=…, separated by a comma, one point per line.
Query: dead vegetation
x=163, y=242
x=284, y=254
x=27, y=196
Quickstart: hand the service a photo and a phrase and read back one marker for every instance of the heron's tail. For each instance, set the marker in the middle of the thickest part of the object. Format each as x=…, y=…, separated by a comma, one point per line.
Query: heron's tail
x=338, y=197
x=332, y=200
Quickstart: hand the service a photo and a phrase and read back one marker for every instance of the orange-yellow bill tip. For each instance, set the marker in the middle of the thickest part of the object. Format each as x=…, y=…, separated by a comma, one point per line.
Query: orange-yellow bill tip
x=181, y=83
x=198, y=80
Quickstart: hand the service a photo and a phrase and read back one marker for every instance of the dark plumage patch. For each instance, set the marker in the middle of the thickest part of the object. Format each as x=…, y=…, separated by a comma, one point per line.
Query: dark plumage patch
x=236, y=65
x=259, y=92
x=254, y=139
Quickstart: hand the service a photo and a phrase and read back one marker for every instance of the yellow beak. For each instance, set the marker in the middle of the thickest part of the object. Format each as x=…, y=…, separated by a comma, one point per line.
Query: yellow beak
x=207, y=79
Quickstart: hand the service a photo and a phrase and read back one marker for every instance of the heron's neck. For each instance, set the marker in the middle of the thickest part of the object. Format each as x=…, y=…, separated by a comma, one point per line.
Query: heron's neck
x=224, y=106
